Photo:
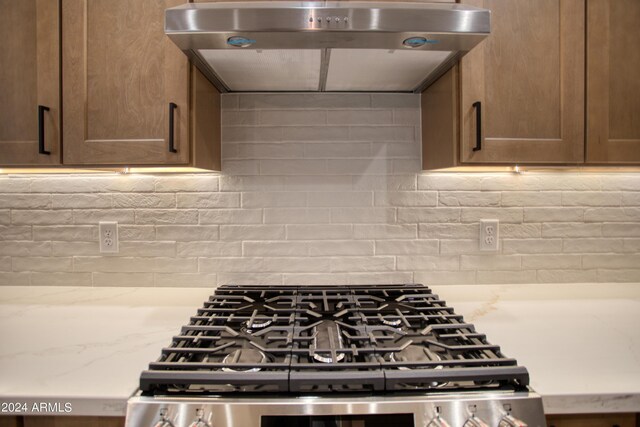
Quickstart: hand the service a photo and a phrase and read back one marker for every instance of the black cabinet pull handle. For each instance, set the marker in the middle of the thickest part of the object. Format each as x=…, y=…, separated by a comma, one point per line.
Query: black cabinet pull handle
x=41, y=110
x=172, y=147
x=478, y=106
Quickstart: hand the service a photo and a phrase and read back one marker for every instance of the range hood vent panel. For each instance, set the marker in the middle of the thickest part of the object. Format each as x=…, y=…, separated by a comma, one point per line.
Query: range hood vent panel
x=381, y=70
x=325, y=46
x=251, y=70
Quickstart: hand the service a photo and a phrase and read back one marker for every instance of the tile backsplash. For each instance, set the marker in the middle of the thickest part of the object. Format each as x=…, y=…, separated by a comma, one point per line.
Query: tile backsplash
x=320, y=188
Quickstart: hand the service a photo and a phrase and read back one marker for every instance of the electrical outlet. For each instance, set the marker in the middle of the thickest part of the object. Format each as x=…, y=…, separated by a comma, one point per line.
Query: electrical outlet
x=489, y=235
x=108, y=237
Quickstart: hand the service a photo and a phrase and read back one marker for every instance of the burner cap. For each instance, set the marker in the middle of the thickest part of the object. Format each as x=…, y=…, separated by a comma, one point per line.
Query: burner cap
x=390, y=322
x=244, y=355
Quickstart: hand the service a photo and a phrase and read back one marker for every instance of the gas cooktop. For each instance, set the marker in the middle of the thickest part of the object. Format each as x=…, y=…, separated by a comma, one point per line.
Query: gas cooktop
x=320, y=339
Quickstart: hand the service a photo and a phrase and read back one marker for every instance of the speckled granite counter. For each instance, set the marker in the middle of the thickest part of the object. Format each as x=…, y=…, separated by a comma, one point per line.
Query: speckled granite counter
x=87, y=346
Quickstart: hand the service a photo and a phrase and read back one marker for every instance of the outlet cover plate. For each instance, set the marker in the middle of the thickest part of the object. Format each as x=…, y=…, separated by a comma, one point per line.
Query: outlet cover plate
x=489, y=236
x=108, y=232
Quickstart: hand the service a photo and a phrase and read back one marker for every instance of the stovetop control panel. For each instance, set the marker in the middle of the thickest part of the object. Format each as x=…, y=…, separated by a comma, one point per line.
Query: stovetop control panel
x=519, y=409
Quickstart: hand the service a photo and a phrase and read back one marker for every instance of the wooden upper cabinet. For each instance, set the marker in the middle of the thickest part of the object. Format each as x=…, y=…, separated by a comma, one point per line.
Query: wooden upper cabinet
x=120, y=75
x=528, y=79
x=613, y=81
x=29, y=77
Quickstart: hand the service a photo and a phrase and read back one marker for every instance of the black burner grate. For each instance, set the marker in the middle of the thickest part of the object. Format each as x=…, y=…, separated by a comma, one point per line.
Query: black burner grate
x=311, y=339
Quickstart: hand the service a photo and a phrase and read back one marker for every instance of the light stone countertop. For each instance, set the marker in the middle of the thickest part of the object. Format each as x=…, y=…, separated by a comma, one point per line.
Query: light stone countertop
x=87, y=346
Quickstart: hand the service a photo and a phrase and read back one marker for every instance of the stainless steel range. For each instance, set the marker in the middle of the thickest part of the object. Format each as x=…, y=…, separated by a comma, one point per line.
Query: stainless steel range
x=320, y=356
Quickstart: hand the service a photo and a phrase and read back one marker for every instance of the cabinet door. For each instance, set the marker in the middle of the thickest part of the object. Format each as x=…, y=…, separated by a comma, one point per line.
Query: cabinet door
x=613, y=82
x=120, y=74
x=528, y=78
x=29, y=77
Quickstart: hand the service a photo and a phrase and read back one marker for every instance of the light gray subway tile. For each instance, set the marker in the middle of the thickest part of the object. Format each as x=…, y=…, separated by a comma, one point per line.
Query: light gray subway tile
x=591, y=198
x=385, y=231
x=531, y=246
x=406, y=198
x=15, y=279
x=448, y=231
x=25, y=201
x=208, y=249
x=293, y=167
x=41, y=217
x=230, y=216
x=42, y=264
x=429, y=215
x=275, y=248
x=15, y=232
x=427, y=262
x=83, y=233
x=12, y=184
x=208, y=200
x=251, y=183
x=297, y=215
x=186, y=233
x=319, y=231
x=252, y=232
x=359, y=117
x=304, y=100
x=238, y=118
x=553, y=214
x=340, y=199
x=353, y=264
x=315, y=133
x=199, y=182
x=611, y=261
x=395, y=100
x=384, y=182
x=531, y=198
x=490, y=262
x=625, y=214
x=621, y=229
x=326, y=150
x=571, y=229
x=513, y=215
x=166, y=216
x=317, y=183
x=82, y=201
x=252, y=133
x=107, y=264
x=136, y=232
x=363, y=215
x=406, y=247
x=554, y=261
x=340, y=247
x=241, y=167
x=468, y=198
x=270, y=199
x=94, y=216
x=448, y=181
x=270, y=151
x=293, y=117
x=592, y=245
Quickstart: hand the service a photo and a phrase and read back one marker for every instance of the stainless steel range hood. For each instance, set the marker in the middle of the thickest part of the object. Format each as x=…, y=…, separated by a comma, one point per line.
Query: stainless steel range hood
x=282, y=46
